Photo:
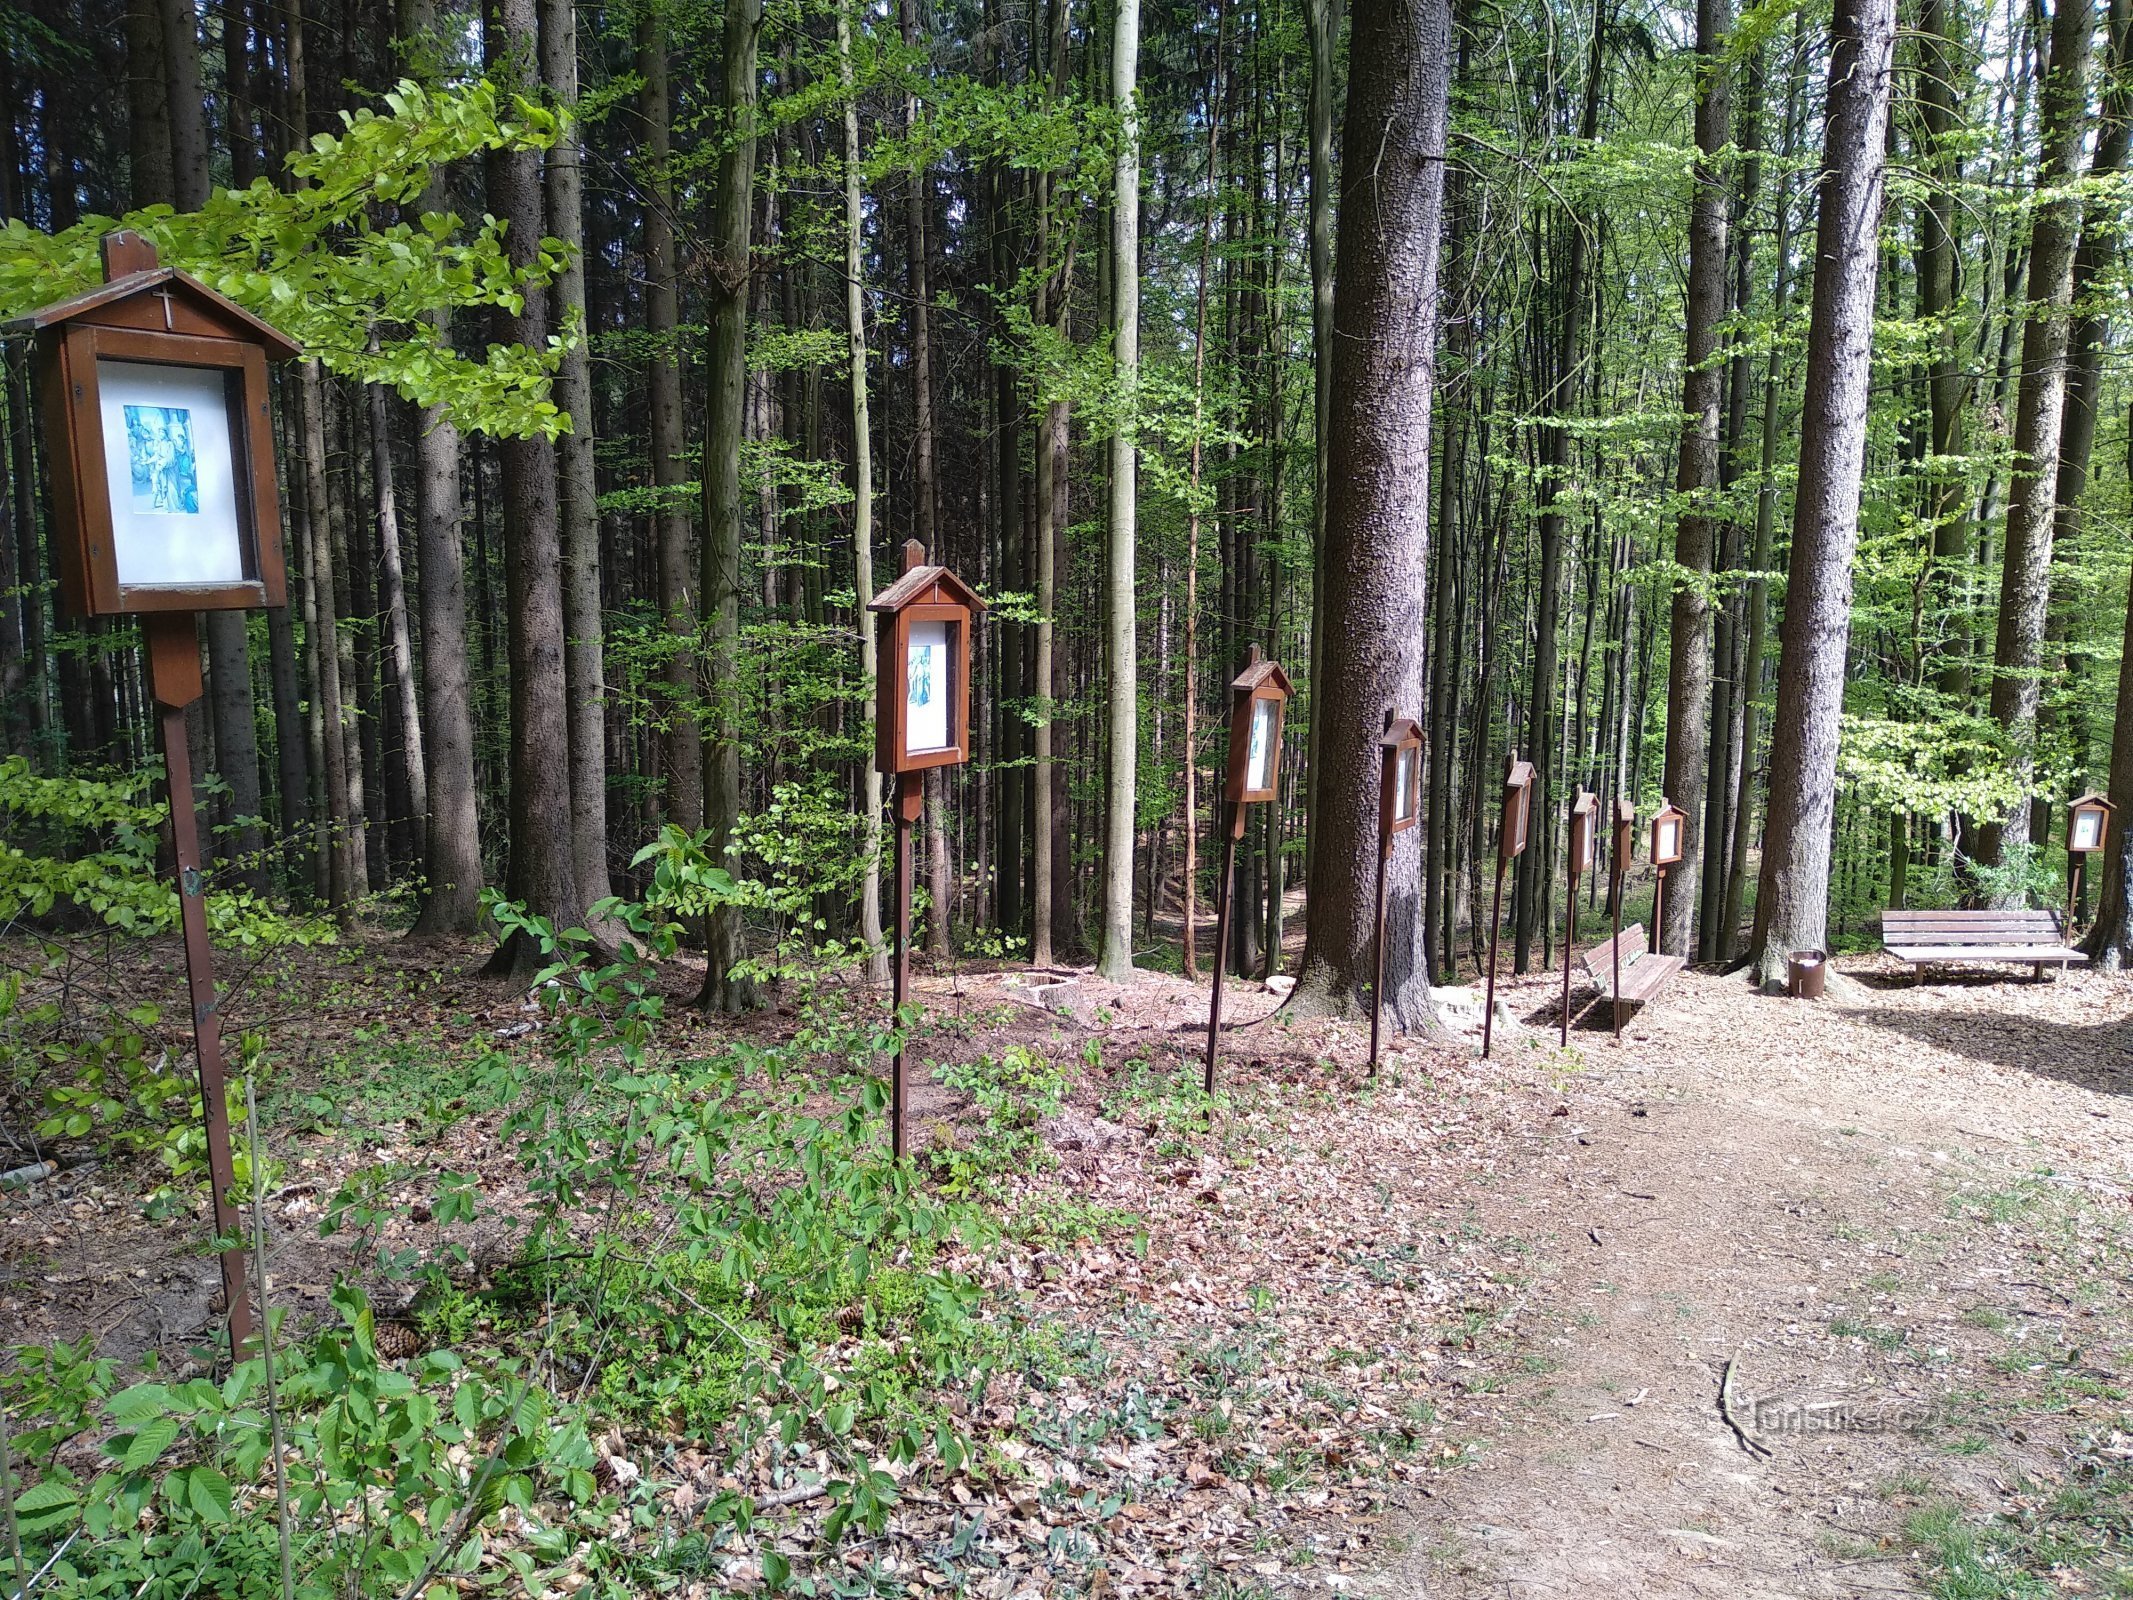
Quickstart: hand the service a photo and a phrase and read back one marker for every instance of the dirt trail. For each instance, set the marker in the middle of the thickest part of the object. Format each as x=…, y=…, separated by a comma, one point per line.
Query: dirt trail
x=1831, y=1197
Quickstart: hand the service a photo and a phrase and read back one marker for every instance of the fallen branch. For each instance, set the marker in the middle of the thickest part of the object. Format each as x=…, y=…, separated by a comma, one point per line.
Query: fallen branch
x=1749, y=1443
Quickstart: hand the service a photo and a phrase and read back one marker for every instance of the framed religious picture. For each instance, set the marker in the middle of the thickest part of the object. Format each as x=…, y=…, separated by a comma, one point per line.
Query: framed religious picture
x=2088, y=824
x=1400, y=780
x=1584, y=830
x=1259, y=697
x=922, y=697
x=1668, y=837
x=1517, y=822
x=160, y=441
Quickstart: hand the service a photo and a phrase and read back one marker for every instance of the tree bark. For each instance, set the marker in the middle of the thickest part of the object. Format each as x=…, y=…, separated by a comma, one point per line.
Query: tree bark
x=578, y=506
x=855, y=325
x=541, y=872
x=1792, y=904
x=680, y=742
x=733, y=202
x=2026, y=552
x=1688, y=697
x=1115, y=959
x=1377, y=513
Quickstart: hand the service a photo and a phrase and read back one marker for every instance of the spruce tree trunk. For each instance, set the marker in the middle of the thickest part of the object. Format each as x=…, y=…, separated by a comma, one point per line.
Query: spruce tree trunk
x=1947, y=383
x=1792, y=903
x=1115, y=959
x=578, y=508
x=1688, y=697
x=2026, y=553
x=726, y=294
x=1322, y=35
x=1377, y=512
x=399, y=640
x=541, y=872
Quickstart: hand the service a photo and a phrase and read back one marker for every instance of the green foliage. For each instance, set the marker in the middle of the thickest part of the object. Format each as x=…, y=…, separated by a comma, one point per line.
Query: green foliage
x=95, y=845
x=1015, y=1093
x=391, y=1475
x=313, y=258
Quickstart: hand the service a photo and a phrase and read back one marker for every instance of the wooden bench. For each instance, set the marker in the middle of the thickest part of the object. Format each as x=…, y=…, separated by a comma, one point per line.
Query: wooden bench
x=1643, y=973
x=1953, y=937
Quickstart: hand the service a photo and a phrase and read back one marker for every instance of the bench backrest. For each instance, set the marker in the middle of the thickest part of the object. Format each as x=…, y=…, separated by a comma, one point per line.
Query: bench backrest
x=1600, y=958
x=1955, y=929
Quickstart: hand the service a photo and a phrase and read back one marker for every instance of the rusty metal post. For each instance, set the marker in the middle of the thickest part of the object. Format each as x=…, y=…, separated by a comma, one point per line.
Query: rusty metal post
x=1377, y=983
x=174, y=679
x=1222, y=899
x=1570, y=935
x=1488, y=1004
x=1620, y=875
x=910, y=801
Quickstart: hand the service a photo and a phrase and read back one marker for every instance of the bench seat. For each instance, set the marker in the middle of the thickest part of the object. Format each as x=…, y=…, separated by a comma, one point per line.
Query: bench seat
x=1952, y=938
x=1644, y=974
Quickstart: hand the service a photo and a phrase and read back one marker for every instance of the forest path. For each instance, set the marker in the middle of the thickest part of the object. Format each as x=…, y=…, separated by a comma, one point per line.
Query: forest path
x=1842, y=1200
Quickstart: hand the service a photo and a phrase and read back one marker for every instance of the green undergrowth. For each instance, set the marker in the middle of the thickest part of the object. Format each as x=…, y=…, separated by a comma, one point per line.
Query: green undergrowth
x=713, y=1255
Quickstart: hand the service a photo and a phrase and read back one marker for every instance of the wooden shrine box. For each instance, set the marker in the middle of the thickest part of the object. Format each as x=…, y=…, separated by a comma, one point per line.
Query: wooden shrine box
x=1667, y=830
x=1517, y=810
x=1400, y=783
x=1258, y=699
x=922, y=715
x=1625, y=837
x=1584, y=831
x=2088, y=824
x=160, y=442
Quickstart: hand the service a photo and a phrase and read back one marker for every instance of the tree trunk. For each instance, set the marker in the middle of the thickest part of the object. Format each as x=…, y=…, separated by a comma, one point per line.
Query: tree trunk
x=2026, y=553
x=681, y=745
x=1377, y=513
x=578, y=508
x=1322, y=33
x=1115, y=960
x=541, y=872
x=1792, y=904
x=1688, y=698
x=726, y=294
x=2110, y=940
x=855, y=312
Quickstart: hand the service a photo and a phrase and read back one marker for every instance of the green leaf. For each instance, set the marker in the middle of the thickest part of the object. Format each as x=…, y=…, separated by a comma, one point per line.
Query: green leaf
x=209, y=1492
x=150, y=1442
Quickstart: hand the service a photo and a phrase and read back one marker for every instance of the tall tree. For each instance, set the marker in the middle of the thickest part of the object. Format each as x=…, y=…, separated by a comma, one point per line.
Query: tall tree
x=451, y=839
x=1792, y=904
x=1115, y=960
x=577, y=490
x=733, y=204
x=541, y=871
x=2026, y=553
x=1688, y=688
x=855, y=325
x=1375, y=559
x=680, y=743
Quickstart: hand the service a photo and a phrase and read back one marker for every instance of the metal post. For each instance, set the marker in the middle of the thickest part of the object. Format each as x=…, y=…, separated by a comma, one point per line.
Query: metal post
x=1488, y=1006
x=1616, y=947
x=910, y=801
x=174, y=679
x=1222, y=899
x=1377, y=983
x=1570, y=934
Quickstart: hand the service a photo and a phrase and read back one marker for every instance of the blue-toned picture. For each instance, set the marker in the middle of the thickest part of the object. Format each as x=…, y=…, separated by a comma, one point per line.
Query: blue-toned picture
x=922, y=675
x=159, y=450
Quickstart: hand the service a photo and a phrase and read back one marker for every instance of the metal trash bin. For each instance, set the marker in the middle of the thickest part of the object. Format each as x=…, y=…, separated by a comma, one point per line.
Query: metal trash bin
x=1806, y=971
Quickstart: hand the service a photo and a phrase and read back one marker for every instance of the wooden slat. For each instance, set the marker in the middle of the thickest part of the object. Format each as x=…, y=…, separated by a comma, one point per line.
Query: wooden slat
x=2046, y=953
